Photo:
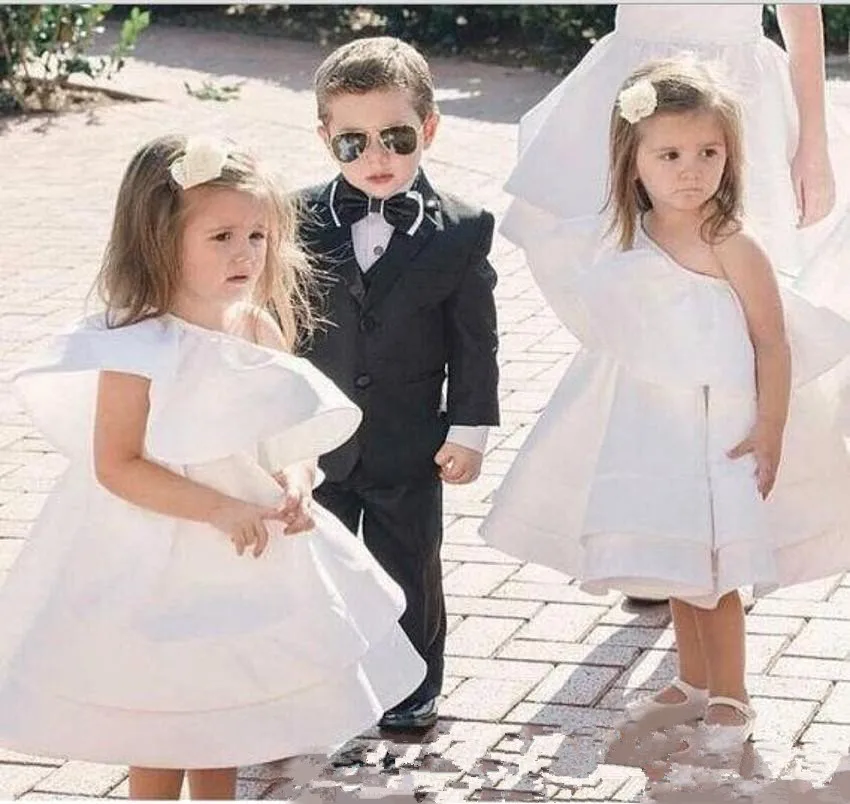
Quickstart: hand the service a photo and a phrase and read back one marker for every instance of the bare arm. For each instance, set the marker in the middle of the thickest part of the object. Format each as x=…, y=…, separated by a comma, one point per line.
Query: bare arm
x=802, y=32
x=120, y=466
x=811, y=171
x=296, y=479
x=753, y=280
x=120, y=423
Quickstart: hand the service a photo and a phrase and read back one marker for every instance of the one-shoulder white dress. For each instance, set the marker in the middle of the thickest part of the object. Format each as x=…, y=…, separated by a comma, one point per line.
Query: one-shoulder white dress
x=624, y=482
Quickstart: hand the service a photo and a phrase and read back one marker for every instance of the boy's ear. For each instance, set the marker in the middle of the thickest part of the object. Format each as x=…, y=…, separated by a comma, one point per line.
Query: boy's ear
x=429, y=129
x=324, y=135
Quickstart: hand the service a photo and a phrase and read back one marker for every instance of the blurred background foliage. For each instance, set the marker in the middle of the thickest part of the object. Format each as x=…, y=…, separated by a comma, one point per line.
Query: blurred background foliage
x=553, y=37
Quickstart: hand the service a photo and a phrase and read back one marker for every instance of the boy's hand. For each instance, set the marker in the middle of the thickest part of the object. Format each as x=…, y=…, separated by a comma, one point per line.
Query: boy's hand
x=297, y=482
x=765, y=443
x=458, y=464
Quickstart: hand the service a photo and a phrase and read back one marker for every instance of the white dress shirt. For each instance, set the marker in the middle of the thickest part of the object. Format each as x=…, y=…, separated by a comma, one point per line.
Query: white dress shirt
x=370, y=237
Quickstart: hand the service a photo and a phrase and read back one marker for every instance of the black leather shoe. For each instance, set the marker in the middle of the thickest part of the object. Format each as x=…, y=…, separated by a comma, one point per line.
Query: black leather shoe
x=411, y=718
x=747, y=599
x=647, y=601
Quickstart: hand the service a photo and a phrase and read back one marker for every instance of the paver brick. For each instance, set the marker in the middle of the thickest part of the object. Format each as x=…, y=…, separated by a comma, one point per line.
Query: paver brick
x=488, y=606
x=822, y=639
x=575, y=684
x=82, y=778
x=836, y=707
x=496, y=669
x=781, y=720
x=569, y=652
x=562, y=622
x=485, y=698
x=475, y=553
x=549, y=592
x=15, y=780
x=832, y=669
x=480, y=636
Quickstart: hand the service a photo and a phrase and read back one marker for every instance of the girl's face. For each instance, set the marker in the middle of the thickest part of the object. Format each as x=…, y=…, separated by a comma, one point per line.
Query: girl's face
x=680, y=159
x=223, y=250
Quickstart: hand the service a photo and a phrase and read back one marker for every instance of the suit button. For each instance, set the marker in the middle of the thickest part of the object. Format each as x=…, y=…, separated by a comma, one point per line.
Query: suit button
x=362, y=381
x=368, y=324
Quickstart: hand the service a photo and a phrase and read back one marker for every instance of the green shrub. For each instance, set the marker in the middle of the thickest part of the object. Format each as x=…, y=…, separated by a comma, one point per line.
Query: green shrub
x=836, y=23
x=550, y=36
x=41, y=47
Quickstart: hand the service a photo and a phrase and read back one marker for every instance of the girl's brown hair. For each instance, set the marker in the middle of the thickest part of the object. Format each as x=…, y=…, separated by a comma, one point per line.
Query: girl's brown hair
x=140, y=273
x=682, y=85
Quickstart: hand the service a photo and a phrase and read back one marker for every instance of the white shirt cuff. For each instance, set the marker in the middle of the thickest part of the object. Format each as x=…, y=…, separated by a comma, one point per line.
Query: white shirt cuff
x=470, y=437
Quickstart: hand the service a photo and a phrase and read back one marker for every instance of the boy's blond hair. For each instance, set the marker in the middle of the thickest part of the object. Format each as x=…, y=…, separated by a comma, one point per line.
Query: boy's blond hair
x=374, y=64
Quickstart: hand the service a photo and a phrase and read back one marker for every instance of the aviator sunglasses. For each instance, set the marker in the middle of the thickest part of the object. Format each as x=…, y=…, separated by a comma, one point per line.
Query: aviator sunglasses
x=348, y=146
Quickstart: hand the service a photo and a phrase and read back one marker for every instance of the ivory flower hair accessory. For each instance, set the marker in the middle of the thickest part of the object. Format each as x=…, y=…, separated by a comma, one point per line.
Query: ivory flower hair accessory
x=638, y=101
x=202, y=162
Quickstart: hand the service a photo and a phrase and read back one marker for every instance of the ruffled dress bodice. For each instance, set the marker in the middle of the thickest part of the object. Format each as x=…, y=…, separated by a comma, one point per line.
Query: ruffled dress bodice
x=167, y=636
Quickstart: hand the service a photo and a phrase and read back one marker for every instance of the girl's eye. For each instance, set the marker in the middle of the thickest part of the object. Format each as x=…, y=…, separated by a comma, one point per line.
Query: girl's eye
x=258, y=235
x=669, y=156
x=710, y=152
x=222, y=237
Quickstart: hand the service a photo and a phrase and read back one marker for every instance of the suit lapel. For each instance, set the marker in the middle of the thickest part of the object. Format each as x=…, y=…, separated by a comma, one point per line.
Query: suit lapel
x=403, y=249
x=335, y=246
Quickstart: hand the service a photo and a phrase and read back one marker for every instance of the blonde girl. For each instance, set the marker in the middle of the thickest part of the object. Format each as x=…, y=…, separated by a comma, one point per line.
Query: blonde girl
x=181, y=606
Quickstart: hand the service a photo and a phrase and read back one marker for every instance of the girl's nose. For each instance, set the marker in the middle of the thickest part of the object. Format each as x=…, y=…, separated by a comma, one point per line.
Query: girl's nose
x=243, y=253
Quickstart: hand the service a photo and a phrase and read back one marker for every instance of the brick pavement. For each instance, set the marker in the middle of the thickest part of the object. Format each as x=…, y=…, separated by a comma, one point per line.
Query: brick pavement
x=537, y=670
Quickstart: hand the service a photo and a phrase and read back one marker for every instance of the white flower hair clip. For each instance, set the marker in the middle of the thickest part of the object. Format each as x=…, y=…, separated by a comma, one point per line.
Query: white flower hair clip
x=637, y=101
x=203, y=161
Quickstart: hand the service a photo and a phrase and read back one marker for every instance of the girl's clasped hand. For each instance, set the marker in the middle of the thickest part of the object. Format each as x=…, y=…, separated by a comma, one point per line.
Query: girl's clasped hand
x=245, y=523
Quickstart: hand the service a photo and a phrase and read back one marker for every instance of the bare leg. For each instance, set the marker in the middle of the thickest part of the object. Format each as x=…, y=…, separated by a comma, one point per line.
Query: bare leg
x=692, y=662
x=215, y=784
x=722, y=634
x=161, y=784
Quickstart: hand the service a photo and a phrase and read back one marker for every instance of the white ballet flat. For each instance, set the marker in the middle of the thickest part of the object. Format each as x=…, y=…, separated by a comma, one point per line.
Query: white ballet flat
x=717, y=738
x=647, y=709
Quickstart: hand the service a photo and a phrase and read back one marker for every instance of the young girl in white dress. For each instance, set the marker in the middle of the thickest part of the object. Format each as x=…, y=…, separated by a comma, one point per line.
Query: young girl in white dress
x=789, y=131
x=180, y=605
x=689, y=450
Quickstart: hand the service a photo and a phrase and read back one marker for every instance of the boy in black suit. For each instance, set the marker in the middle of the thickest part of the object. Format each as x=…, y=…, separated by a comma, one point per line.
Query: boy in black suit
x=409, y=300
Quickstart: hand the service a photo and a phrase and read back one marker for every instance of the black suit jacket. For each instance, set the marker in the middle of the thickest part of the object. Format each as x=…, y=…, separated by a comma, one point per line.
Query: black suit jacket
x=427, y=314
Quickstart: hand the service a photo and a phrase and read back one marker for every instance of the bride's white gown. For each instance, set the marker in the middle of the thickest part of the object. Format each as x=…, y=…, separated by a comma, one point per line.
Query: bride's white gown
x=563, y=161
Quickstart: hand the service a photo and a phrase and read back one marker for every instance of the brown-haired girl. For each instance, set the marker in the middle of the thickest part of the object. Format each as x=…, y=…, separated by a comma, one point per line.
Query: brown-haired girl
x=682, y=455
x=180, y=605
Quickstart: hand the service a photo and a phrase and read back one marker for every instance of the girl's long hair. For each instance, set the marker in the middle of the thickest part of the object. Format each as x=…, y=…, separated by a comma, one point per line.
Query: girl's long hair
x=140, y=273
x=682, y=85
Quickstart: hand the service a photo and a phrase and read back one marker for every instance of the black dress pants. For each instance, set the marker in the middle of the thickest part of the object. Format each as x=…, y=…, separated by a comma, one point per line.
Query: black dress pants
x=403, y=529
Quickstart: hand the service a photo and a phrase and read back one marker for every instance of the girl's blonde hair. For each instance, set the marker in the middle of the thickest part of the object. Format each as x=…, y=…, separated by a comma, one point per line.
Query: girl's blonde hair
x=681, y=85
x=140, y=273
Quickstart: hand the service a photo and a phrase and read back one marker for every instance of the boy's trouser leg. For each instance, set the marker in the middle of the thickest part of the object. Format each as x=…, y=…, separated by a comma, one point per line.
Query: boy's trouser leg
x=343, y=502
x=403, y=529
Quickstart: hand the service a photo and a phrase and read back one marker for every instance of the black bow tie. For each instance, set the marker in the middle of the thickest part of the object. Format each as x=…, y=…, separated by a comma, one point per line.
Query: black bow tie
x=403, y=211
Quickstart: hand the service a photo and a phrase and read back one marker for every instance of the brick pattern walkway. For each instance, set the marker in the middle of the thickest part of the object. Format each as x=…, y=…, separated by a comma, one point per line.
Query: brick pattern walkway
x=537, y=670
